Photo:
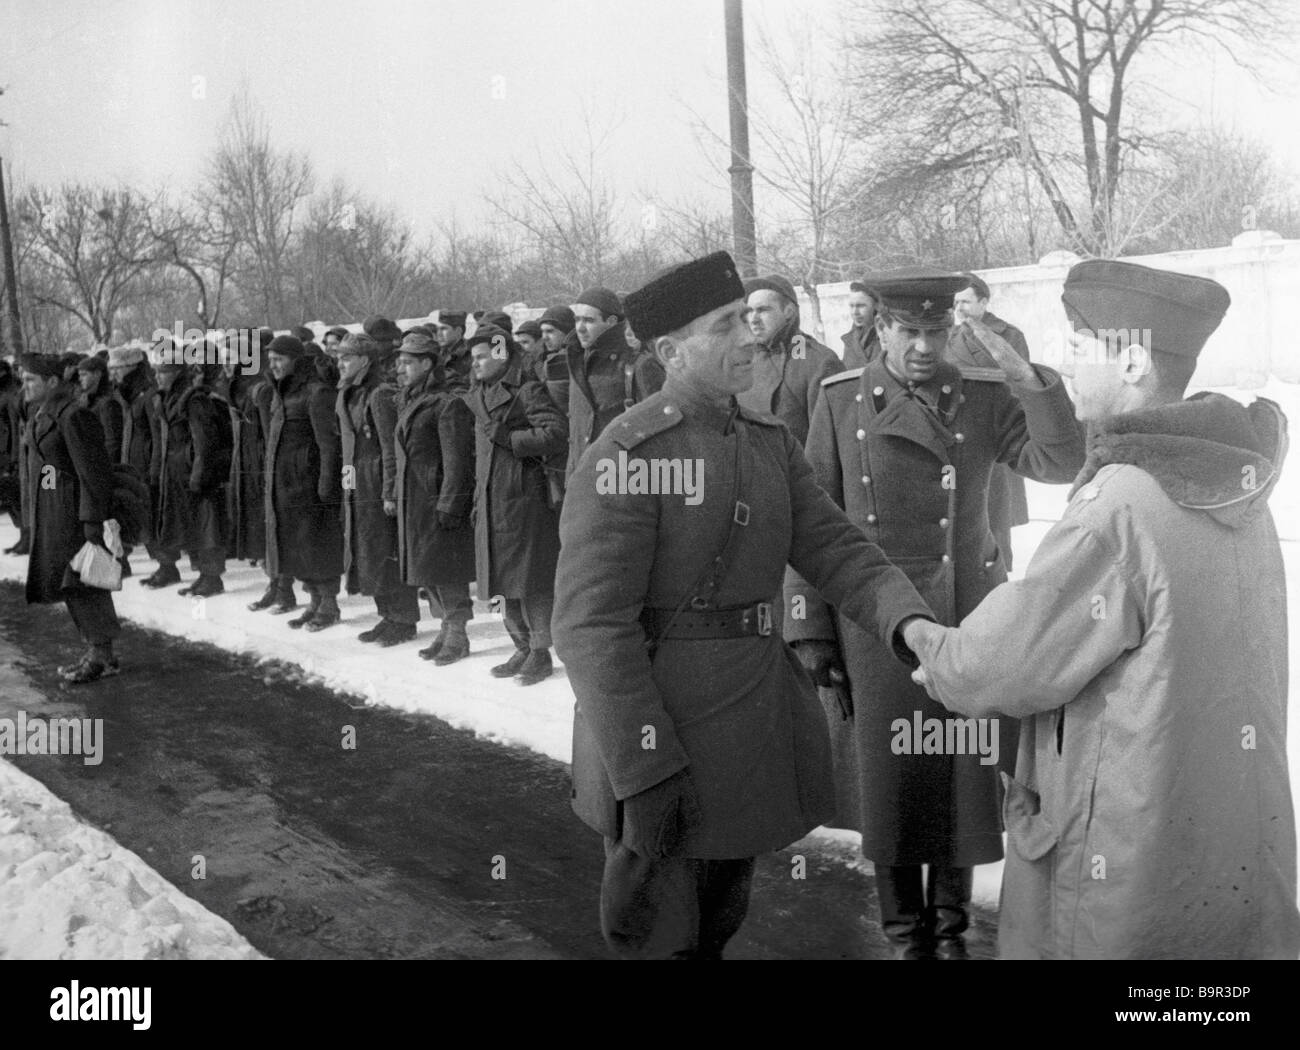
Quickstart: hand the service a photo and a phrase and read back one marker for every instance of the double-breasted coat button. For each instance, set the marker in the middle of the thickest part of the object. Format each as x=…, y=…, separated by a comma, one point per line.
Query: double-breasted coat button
x=858, y=399
x=943, y=523
x=668, y=410
x=946, y=388
x=862, y=435
x=988, y=565
x=959, y=437
x=878, y=391
x=945, y=559
x=866, y=480
x=961, y=399
x=871, y=519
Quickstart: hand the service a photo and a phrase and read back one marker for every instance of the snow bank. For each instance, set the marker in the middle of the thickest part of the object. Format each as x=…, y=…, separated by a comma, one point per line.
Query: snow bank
x=68, y=891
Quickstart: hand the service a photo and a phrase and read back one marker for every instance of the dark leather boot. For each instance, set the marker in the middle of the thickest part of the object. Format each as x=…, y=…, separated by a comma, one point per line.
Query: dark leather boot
x=396, y=633
x=327, y=614
x=269, y=597
x=306, y=615
x=431, y=651
x=536, y=667
x=374, y=633
x=911, y=940
x=949, y=925
x=511, y=667
x=455, y=646
x=204, y=587
x=165, y=576
x=24, y=544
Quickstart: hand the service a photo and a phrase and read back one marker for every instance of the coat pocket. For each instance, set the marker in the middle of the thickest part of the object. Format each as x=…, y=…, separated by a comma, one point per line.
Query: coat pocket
x=1028, y=829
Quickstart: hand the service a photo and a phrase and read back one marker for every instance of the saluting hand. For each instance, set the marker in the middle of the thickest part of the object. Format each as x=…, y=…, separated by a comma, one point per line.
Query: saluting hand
x=1017, y=369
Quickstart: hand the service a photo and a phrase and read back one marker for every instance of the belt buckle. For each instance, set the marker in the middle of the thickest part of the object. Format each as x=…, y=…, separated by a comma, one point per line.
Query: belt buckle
x=764, y=619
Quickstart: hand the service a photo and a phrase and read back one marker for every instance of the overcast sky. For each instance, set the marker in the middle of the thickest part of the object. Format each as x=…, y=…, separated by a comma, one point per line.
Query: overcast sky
x=414, y=101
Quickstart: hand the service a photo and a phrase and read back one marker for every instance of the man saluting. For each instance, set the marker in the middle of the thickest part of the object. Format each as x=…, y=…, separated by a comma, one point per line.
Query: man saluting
x=698, y=739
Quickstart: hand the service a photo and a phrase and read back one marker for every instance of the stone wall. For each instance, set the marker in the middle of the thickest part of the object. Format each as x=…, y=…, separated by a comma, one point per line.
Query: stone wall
x=1260, y=270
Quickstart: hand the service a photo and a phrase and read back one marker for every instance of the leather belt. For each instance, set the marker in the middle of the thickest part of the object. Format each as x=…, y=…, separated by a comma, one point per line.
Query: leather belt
x=698, y=624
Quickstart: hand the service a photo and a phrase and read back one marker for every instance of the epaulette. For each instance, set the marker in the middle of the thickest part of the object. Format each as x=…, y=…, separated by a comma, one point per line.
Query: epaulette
x=643, y=421
x=840, y=377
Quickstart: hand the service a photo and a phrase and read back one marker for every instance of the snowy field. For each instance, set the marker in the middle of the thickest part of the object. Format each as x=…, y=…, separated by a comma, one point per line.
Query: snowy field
x=40, y=894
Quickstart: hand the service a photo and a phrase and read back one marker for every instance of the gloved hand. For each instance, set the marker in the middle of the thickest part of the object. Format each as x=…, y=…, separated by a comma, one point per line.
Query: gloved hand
x=819, y=657
x=825, y=665
x=447, y=522
x=94, y=532
x=657, y=820
x=498, y=433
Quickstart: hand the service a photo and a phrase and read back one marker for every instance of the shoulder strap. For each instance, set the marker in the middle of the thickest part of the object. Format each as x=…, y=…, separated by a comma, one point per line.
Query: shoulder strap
x=701, y=592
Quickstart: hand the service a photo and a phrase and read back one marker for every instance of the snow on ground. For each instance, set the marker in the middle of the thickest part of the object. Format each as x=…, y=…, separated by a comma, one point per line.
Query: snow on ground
x=537, y=717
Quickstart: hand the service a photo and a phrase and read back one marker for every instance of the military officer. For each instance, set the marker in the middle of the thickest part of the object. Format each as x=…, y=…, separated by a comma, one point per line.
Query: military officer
x=698, y=742
x=906, y=446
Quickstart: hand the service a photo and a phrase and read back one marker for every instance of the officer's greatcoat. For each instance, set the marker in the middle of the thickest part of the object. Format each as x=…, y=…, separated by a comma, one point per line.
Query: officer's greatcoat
x=740, y=712
x=914, y=479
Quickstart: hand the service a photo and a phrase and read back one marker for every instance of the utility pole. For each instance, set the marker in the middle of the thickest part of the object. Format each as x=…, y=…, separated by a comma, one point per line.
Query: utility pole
x=10, y=270
x=742, y=172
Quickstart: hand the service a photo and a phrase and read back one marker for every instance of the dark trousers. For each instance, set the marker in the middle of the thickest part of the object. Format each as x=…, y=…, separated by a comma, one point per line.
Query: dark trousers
x=906, y=904
x=528, y=621
x=95, y=616
x=673, y=908
x=457, y=606
x=401, y=604
x=208, y=562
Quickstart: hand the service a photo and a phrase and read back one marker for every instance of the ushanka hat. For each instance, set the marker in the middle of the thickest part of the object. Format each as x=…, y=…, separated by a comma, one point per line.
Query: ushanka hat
x=45, y=365
x=677, y=296
x=1179, y=311
x=378, y=327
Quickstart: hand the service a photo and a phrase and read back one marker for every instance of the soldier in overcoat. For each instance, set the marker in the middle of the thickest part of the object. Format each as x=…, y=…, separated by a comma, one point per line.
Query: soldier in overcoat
x=516, y=531
x=434, y=451
x=72, y=496
x=606, y=374
x=790, y=364
x=304, y=481
x=196, y=451
x=906, y=447
x=367, y=411
x=698, y=741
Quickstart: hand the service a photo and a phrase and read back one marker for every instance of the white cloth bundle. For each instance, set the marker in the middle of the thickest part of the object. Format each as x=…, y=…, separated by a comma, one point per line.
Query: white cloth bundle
x=98, y=567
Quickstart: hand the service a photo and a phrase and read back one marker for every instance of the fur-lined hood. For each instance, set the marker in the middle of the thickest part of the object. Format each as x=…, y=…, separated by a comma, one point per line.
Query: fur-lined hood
x=1207, y=453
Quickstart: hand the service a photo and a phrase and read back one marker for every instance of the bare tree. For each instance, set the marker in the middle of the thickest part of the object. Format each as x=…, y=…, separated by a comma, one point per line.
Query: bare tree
x=198, y=239
x=987, y=81
x=88, y=250
x=566, y=214
x=254, y=191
